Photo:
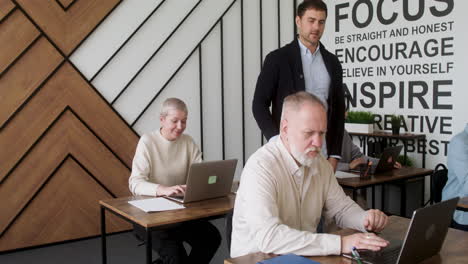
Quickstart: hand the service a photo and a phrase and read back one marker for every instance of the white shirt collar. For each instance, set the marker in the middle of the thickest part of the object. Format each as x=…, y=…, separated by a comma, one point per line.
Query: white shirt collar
x=305, y=50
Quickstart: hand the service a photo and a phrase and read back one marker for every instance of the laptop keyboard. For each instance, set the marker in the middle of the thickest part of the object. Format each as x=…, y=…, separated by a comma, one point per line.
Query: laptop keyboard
x=387, y=256
x=177, y=197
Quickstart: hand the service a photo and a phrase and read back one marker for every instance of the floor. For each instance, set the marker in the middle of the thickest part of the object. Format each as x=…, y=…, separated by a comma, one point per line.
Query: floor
x=121, y=248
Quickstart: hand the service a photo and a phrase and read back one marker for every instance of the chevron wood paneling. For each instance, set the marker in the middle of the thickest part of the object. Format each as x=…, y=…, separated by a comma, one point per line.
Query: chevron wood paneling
x=6, y=6
x=67, y=28
x=65, y=88
x=65, y=3
x=63, y=147
x=42, y=57
x=58, y=142
x=16, y=33
x=59, y=211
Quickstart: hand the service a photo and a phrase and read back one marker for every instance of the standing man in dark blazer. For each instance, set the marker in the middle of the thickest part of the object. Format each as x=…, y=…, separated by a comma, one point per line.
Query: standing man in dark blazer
x=303, y=65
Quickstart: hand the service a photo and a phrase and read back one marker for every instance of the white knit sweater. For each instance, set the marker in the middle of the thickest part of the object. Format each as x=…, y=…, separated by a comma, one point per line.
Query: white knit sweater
x=160, y=161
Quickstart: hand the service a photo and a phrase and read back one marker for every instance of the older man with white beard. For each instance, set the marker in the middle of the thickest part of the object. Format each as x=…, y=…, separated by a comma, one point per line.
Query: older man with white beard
x=287, y=184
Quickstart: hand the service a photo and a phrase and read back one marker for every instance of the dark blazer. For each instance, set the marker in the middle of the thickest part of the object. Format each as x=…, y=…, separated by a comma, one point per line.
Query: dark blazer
x=281, y=76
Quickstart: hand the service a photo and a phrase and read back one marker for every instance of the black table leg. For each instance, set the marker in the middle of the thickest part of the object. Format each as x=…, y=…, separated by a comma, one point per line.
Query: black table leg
x=373, y=197
x=354, y=195
x=103, y=236
x=403, y=199
x=423, y=190
x=424, y=154
x=382, y=193
x=149, y=252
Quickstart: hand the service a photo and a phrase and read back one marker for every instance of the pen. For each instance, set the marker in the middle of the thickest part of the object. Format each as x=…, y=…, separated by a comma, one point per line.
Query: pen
x=356, y=255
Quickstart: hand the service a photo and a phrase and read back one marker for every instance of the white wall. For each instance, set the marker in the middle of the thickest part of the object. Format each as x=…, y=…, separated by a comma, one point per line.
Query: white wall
x=438, y=112
x=163, y=59
x=168, y=55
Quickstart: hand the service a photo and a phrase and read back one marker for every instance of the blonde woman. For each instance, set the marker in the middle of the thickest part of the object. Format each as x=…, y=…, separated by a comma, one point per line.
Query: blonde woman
x=160, y=168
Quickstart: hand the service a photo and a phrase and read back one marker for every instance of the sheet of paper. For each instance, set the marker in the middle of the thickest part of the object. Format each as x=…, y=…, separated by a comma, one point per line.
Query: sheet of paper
x=343, y=174
x=156, y=204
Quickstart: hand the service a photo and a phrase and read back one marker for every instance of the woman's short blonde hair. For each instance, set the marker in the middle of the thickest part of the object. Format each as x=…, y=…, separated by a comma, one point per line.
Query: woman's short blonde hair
x=173, y=103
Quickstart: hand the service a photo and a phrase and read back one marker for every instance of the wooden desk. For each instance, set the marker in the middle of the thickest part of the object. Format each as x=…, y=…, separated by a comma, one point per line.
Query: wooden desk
x=403, y=137
x=463, y=204
x=392, y=176
x=213, y=208
x=453, y=249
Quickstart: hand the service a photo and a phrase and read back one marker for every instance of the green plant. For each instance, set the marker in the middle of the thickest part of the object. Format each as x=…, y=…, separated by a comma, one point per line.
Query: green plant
x=396, y=120
x=361, y=117
x=408, y=162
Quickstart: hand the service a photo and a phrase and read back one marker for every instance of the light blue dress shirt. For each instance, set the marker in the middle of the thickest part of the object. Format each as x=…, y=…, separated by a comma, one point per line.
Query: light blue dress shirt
x=316, y=78
x=457, y=163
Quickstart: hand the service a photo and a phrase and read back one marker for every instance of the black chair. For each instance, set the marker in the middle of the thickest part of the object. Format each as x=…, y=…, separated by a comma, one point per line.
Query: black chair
x=438, y=181
x=229, y=229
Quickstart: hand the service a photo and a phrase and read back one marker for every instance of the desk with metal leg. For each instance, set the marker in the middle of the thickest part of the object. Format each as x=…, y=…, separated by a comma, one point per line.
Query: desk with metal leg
x=208, y=209
x=387, y=139
x=393, y=176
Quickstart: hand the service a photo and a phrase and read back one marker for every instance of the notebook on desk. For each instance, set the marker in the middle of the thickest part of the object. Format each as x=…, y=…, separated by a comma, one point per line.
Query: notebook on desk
x=424, y=237
x=206, y=180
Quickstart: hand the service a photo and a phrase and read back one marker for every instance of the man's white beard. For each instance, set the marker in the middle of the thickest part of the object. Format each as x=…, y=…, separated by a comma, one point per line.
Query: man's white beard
x=304, y=159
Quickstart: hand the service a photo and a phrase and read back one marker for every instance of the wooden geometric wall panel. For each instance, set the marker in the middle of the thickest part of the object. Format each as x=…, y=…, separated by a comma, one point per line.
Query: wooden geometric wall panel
x=62, y=146
x=59, y=141
x=16, y=33
x=65, y=4
x=65, y=88
x=6, y=6
x=60, y=211
x=16, y=86
x=67, y=28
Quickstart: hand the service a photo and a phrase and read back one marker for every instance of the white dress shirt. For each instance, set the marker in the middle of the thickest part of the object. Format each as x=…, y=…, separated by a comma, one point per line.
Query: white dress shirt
x=279, y=205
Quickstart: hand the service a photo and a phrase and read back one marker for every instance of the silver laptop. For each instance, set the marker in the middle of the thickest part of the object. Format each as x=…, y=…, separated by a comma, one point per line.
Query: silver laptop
x=206, y=180
x=424, y=237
